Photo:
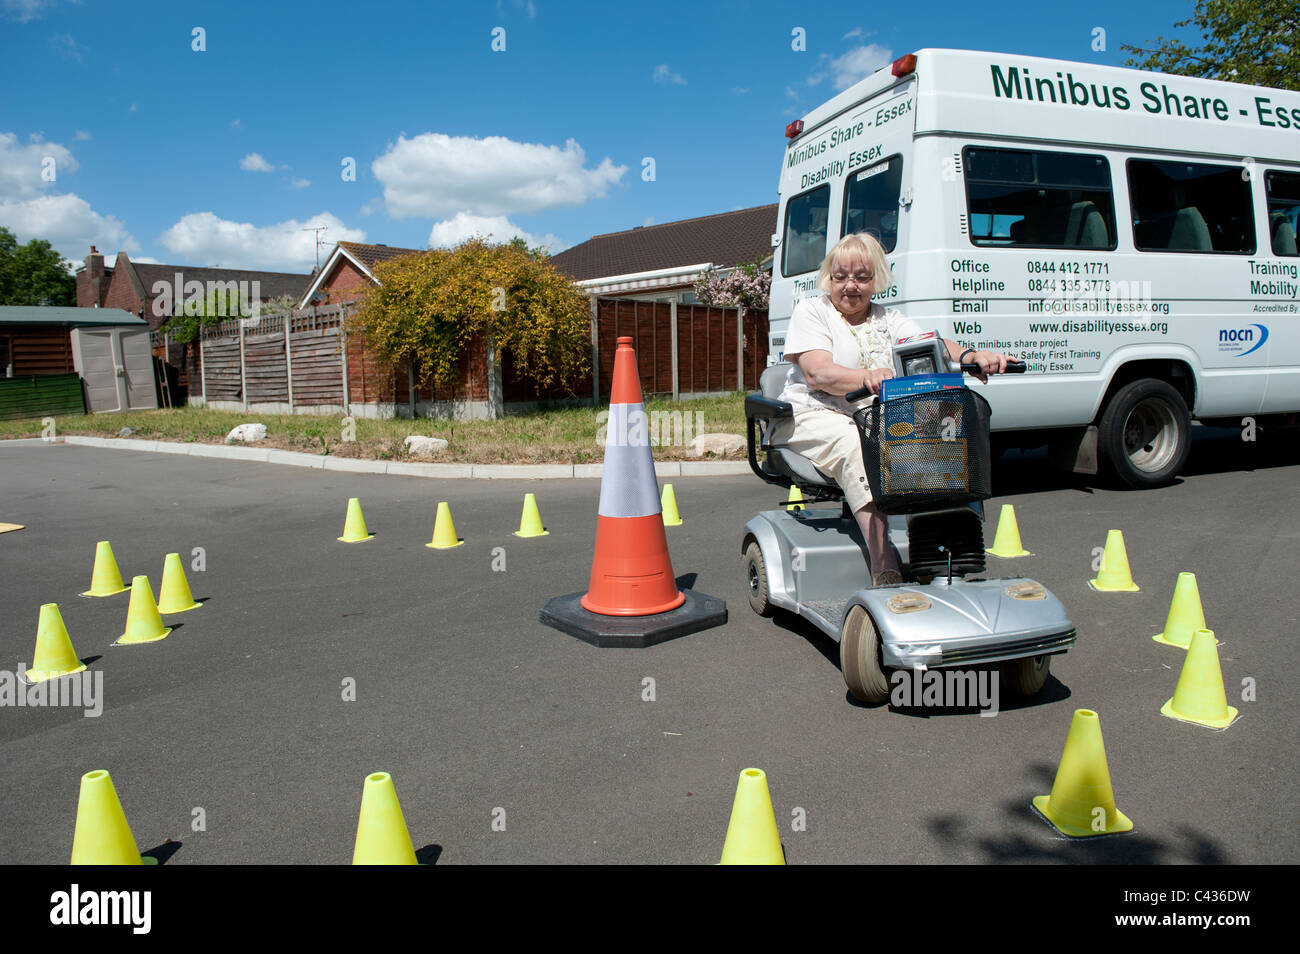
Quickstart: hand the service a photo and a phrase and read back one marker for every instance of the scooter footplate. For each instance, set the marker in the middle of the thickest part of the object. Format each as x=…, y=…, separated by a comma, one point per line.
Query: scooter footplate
x=832, y=611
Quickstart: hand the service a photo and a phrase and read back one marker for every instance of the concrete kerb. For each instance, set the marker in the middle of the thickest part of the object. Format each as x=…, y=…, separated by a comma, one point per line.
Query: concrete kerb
x=696, y=468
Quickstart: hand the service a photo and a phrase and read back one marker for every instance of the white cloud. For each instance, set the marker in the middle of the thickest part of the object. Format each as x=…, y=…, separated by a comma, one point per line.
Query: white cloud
x=82, y=134
x=132, y=108
x=67, y=46
x=300, y=183
x=525, y=5
x=857, y=63
x=496, y=228
x=25, y=10
x=235, y=123
x=67, y=222
x=648, y=220
x=852, y=34
x=21, y=166
x=253, y=162
x=663, y=74
x=740, y=90
x=201, y=238
x=437, y=175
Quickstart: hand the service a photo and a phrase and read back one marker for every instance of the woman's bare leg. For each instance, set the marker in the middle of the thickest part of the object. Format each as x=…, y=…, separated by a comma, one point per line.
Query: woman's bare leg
x=875, y=530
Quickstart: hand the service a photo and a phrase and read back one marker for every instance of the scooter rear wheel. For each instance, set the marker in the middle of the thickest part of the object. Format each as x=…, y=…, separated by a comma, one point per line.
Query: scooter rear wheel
x=756, y=580
x=860, y=658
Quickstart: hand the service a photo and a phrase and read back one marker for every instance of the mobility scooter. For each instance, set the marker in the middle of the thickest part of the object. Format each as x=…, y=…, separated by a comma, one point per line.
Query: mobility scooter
x=928, y=462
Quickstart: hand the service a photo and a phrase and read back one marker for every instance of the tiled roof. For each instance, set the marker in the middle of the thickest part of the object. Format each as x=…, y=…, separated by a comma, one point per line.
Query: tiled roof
x=729, y=238
x=271, y=284
x=372, y=255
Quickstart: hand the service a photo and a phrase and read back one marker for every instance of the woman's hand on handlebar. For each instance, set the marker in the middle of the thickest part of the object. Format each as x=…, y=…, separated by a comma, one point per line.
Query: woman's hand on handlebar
x=872, y=379
x=988, y=362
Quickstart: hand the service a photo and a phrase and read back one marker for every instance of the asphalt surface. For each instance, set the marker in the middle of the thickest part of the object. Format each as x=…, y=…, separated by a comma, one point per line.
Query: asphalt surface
x=483, y=715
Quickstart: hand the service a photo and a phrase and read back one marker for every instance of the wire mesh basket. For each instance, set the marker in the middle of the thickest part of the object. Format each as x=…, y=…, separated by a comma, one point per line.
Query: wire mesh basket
x=926, y=450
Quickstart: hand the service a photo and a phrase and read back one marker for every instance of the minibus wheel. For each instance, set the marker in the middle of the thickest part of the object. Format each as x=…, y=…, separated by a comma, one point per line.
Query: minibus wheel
x=860, y=658
x=1145, y=433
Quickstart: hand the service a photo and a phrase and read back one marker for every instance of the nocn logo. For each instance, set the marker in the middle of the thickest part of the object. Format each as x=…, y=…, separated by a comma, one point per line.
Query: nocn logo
x=1242, y=340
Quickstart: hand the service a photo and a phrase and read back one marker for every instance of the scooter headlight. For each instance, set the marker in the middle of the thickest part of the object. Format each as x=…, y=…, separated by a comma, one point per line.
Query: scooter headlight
x=908, y=603
x=1026, y=590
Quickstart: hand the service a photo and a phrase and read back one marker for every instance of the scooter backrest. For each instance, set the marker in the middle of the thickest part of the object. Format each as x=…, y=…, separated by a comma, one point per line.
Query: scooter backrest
x=774, y=379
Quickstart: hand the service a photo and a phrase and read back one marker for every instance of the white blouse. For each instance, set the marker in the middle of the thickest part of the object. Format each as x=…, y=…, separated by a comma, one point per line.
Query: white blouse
x=815, y=325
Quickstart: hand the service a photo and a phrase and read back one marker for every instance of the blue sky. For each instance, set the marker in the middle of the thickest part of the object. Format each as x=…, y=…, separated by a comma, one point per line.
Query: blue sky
x=115, y=131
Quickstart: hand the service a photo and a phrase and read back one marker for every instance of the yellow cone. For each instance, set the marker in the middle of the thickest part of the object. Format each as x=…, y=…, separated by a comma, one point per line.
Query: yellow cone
x=106, y=580
x=795, y=499
x=1185, y=614
x=1200, y=697
x=530, y=523
x=1114, y=575
x=752, y=837
x=54, y=655
x=382, y=838
x=444, y=531
x=143, y=622
x=354, y=529
x=102, y=835
x=668, y=504
x=174, y=594
x=1006, y=543
x=1082, y=803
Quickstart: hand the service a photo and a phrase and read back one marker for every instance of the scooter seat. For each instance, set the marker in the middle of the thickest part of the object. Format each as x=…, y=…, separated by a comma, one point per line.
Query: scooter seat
x=783, y=466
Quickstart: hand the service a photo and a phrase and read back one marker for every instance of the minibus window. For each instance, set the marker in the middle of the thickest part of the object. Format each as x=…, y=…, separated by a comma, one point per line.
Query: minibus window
x=804, y=245
x=871, y=201
x=1028, y=199
x=1190, y=207
x=1283, y=191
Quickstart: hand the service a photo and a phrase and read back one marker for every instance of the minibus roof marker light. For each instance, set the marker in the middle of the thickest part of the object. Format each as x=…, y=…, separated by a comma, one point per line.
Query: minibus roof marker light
x=904, y=65
x=794, y=129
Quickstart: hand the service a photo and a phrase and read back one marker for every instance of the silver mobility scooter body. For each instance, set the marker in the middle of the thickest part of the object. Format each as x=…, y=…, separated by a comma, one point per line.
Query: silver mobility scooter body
x=811, y=562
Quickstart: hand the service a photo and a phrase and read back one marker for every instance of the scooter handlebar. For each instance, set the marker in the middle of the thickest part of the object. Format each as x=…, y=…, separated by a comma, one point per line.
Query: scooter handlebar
x=1013, y=367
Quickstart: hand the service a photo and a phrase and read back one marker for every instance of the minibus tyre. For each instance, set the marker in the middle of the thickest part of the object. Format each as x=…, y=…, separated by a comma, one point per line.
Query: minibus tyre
x=756, y=580
x=1026, y=677
x=860, y=658
x=1145, y=433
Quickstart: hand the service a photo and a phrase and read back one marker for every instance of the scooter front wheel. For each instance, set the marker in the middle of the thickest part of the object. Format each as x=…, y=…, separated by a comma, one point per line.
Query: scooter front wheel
x=1027, y=676
x=860, y=658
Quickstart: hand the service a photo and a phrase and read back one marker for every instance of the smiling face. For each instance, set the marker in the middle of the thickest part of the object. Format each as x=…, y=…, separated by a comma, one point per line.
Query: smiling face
x=852, y=283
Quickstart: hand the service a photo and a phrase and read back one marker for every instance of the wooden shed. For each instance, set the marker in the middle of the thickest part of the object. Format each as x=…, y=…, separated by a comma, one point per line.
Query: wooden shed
x=38, y=368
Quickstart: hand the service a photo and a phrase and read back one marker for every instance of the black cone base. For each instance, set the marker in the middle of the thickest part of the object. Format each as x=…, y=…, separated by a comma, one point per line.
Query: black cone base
x=567, y=614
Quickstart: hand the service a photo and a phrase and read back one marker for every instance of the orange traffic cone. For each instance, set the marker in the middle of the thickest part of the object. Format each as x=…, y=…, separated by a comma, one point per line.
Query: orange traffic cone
x=632, y=599
x=631, y=574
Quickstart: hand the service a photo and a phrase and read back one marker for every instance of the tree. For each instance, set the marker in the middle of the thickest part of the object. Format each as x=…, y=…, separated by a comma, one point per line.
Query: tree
x=1242, y=41
x=429, y=307
x=33, y=274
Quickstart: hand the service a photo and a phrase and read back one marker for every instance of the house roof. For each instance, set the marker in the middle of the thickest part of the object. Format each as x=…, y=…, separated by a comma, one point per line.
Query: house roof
x=372, y=255
x=270, y=284
x=60, y=315
x=726, y=239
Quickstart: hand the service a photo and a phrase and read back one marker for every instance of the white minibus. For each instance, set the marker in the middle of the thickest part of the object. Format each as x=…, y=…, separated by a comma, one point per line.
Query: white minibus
x=1131, y=235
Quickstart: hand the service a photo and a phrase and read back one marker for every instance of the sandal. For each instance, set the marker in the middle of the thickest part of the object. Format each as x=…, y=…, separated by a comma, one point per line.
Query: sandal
x=887, y=578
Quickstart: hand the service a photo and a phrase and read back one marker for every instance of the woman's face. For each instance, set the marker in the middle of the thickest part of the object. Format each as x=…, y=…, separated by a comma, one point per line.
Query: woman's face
x=852, y=283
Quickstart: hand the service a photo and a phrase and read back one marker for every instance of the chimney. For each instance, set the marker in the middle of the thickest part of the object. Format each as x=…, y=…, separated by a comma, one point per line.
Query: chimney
x=93, y=278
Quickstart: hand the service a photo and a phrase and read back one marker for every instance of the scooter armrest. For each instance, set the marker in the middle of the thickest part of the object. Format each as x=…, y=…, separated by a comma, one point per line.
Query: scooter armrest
x=765, y=408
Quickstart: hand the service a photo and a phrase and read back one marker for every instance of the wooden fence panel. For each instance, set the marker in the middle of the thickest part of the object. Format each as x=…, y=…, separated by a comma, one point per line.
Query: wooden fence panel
x=221, y=375
x=317, y=367
x=264, y=368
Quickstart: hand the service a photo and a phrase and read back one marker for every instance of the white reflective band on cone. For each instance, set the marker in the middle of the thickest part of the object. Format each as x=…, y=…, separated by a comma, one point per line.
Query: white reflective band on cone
x=628, y=487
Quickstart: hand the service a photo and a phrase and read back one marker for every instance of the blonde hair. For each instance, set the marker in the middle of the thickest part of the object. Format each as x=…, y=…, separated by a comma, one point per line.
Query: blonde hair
x=862, y=245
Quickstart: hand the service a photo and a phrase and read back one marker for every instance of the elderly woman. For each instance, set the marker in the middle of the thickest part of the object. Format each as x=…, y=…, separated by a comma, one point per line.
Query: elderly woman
x=841, y=342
